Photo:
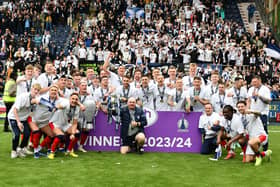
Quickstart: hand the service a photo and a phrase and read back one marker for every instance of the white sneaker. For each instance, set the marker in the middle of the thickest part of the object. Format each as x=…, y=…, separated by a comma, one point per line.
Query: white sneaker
x=20, y=152
x=26, y=151
x=82, y=149
x=213, y=159
x=14, y=154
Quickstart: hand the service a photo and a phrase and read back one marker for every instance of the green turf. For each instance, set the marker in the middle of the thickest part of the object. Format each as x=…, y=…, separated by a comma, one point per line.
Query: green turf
x=150, y=169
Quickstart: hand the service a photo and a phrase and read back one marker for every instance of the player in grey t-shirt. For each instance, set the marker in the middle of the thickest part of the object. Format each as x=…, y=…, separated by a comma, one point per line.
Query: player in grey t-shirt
x=65, y=121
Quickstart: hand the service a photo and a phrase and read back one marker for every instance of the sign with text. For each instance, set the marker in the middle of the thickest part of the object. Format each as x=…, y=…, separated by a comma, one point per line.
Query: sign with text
x=165, y=132
x=274, y=112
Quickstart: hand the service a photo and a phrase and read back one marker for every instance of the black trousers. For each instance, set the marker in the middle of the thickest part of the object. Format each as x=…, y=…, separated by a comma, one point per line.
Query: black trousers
x=8, y=108
x=17, y=132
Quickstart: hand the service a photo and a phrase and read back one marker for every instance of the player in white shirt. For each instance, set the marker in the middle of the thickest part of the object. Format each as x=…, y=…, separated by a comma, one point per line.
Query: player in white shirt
x=63, y=91
x=136, y=83
x=95, y=82
x=114, y=79
x=178, y=99
x=171, y=80
x=46, y=105
x=24, y=82
x=258, y=100
x=65, y=121
x=76, y=81
x=188, y=80
x=46, y=79
x=236, y=93
x=36, y=72
x=146, y=93
x=212, y=88
x=232, y=130
x=125, y=91
x=102, y=93
x=198, y=95
x=257, y=135
x=218, y=99
x=87, y=113
x=161, y=95
x=89, y=75
x=17, y=117
x=209, y=125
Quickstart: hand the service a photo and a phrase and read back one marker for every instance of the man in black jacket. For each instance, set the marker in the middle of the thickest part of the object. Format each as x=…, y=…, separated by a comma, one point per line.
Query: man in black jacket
x=133, y=119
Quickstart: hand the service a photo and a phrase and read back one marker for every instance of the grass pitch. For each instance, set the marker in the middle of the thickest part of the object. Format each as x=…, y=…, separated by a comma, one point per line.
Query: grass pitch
x=150, y=169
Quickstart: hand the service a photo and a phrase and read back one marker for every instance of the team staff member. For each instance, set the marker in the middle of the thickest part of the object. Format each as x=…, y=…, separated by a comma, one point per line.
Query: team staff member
x=9, y=97
x=18, y=120
x=133, y=120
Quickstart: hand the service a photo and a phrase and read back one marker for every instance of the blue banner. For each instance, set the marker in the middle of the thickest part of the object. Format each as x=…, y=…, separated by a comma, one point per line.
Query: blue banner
x=274, y=112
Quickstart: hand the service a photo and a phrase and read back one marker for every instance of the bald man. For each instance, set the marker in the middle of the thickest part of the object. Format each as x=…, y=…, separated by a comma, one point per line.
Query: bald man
x=133, y=120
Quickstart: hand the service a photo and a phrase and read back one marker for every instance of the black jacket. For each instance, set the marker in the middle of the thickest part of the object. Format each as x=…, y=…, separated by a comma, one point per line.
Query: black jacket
x=125, y=118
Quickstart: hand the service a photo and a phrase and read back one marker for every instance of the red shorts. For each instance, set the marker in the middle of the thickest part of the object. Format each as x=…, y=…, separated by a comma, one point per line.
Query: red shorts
x=29, y=119
x=262, y=138
x=51, y=125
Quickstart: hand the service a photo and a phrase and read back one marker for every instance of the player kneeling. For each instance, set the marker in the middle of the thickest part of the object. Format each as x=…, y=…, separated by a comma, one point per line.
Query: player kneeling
x=257, y=135
x=65, y=122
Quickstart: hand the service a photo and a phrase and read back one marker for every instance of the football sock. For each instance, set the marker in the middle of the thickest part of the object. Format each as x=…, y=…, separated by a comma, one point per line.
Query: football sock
x=73, y=142
x=84, y=136
x=55, y=143
x=36, y=138
x=46, y=142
